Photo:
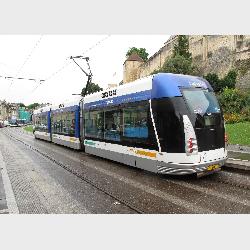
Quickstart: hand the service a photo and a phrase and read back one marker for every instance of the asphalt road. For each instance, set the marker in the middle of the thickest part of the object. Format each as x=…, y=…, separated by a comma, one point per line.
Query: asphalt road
x=41, y=177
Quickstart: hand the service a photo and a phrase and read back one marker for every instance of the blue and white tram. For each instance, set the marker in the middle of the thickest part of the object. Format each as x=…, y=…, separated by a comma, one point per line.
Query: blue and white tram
x=165, y=123
x=65, y=124
x=42, y=125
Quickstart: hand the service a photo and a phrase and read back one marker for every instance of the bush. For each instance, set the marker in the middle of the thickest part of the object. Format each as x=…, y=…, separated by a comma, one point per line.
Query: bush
x=214, y=80
x=233, y=100
x=235, y=104
x=178, y=65
x=219, y=84
x=229, y=80
x=232, y=118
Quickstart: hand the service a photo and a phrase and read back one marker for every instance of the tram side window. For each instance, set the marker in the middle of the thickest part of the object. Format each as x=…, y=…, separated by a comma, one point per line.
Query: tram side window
x=45, y=123
x=41, y=123
x=71, y=123
x=37, y=122
x=135, y=122
x=56, y=123
x=128, y=125
x=138, y=129
x=113, y=125
x=94, y=124
x=64, y=123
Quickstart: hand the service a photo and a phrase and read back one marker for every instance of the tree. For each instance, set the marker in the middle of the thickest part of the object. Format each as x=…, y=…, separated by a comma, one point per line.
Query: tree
x=214, y=80
x=228, y=81
x=181, y=60
x=182, y=47
x=92, y=88
x=21, y=105
x=140, y=52
x=178, y=65
x=33, y=106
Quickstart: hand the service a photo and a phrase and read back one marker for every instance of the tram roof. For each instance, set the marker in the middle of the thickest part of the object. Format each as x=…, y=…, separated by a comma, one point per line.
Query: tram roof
x=67, y=105
x=42, y=110
x=151, y=87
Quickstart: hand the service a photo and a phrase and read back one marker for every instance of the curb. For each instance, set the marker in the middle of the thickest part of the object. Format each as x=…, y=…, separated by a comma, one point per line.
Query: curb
x=238, y=148
x=236, y=164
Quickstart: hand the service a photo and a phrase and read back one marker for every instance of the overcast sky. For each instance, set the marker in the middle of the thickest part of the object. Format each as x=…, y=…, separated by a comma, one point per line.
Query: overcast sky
x=40, y=57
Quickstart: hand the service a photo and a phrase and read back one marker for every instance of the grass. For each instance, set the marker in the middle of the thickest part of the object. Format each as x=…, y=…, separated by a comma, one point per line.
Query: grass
x=239, y=133
x=28, y=128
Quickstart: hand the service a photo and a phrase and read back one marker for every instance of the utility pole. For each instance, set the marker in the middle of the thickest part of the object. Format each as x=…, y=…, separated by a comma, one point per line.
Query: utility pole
x=89, y=75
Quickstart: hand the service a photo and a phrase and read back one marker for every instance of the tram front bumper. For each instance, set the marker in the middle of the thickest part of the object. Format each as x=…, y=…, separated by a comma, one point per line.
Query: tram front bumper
x=200, y=169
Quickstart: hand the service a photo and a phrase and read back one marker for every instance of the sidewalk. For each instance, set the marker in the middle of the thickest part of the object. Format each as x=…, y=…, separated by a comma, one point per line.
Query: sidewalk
x=238, y=157
x=3, y=203
x=238, y=148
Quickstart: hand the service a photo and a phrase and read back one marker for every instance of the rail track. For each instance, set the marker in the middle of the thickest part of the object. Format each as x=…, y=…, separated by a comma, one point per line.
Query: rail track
x=81, y=176
x=222, y=179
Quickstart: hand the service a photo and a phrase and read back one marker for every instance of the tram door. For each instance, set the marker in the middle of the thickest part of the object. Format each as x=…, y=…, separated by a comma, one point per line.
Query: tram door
x=82, y=136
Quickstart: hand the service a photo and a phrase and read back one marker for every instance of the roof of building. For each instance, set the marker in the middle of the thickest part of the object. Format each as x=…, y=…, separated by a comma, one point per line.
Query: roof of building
x=134, y=57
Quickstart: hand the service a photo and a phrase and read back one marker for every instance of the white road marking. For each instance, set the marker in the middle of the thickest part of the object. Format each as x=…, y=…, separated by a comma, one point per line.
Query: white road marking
x=10, y=197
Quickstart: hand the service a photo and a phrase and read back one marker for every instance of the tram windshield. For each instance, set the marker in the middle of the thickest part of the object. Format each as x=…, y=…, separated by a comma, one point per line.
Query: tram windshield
x=201, y=101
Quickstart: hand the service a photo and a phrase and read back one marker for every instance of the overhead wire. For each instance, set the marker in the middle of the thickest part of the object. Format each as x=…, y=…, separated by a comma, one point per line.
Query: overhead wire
x=67, y=63
x=27, y=58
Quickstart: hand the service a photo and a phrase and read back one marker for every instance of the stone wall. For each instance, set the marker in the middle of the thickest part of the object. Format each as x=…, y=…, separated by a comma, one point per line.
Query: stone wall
x=131, y=71
x=211, y=54
x=3, y=111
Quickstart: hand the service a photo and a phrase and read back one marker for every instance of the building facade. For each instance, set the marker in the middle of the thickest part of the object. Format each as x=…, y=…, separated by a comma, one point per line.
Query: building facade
x=211, y=54
x=3, y=111
x=8, y=111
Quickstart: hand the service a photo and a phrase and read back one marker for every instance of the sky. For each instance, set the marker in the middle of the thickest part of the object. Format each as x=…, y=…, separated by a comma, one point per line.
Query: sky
x=47, y=57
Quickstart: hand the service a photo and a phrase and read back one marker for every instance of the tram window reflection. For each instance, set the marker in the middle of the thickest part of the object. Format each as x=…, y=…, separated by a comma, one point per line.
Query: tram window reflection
x=113, y=125
x=94, y=124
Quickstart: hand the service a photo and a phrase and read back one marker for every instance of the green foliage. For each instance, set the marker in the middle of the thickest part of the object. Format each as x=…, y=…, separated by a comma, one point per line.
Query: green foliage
x=139, y=51
x=235, y=104
x=33, y=106
x=229, y=80
x=28, y=128
x=182, y=47
x=21, y=105
x=181, y=60
x=233, y=100
x=92, y=88
x=218, y=84
x=178, y=65
x=214, y=80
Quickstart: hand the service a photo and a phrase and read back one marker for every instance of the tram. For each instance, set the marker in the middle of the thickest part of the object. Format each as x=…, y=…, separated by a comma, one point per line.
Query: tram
x=164, y=123
x=42, y=123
